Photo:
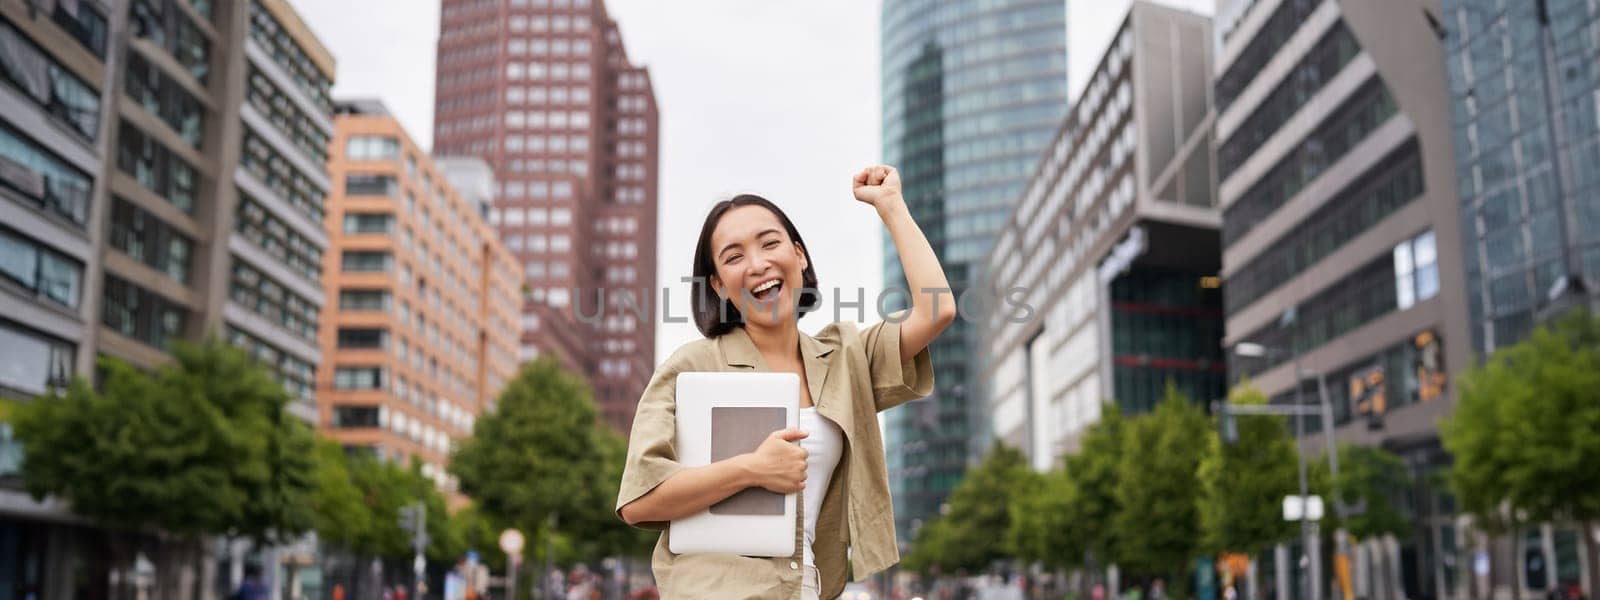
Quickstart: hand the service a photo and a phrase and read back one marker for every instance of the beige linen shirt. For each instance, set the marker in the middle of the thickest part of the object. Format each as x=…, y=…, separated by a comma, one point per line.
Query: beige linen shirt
x=852, y=375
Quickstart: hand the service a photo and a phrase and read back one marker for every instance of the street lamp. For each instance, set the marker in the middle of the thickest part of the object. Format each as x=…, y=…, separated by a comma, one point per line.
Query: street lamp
x=1325, y=411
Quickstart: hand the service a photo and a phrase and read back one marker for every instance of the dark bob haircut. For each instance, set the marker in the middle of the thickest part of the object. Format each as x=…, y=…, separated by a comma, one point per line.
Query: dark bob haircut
x=715, y=316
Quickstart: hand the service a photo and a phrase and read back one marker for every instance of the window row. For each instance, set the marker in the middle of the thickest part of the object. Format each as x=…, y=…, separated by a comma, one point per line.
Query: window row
x=270, y=233
x=40, y=269
x=164, y=97
x=288, y=54
x=286, y=116
x=532, y=216
x=364, y=299
x=538, y=269
x=164, y=24
x=275, y=171
x=547, y=95
x=1347, y=126
x=1325, y=60
x=1393, y=183
x=141, y=314
x=372, y=147
x=366, y=261
x=539, y=243
x=553, y=143
x=147, y=239
x=272, y=301
x=156, y=167
x=538, y=119
x=299, y=377
x=1270, y=38
x=537, y=71
x=557, y=166
x=36, y=74
x=542, y=23
x=543, y=46
x=85, y=23
x=40, y=175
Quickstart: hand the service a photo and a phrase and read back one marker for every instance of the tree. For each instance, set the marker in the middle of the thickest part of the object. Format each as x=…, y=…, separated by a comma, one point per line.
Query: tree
x=971, y=534
x=542, y=453
x=1062, y=520
x=1523, y=432
x=1369, y=479
x=1242, y=484
x=1158, y=528
x=203, y=446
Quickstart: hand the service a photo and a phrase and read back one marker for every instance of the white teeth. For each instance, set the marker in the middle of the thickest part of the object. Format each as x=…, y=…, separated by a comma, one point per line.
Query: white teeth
x=765, y=286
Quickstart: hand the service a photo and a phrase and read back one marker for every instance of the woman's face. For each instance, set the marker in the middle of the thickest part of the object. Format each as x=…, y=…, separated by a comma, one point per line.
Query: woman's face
x=758, y=267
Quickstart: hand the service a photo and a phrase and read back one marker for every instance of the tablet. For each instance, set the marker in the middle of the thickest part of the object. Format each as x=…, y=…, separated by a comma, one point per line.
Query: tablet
x=722, y=415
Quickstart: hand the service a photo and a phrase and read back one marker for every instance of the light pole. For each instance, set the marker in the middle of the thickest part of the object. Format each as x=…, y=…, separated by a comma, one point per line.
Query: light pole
x=1308, y=529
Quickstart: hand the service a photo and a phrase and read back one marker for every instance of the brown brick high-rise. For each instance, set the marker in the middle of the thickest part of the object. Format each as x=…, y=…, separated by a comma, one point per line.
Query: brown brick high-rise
x=543, y=91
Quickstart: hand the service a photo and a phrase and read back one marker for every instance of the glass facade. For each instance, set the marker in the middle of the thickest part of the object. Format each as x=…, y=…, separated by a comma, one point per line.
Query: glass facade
x=1166, y=328
x=1524, y=87
x=973, y=92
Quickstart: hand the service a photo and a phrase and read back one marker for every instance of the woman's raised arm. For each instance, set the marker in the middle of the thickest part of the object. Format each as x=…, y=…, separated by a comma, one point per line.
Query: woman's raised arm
x=933, y=305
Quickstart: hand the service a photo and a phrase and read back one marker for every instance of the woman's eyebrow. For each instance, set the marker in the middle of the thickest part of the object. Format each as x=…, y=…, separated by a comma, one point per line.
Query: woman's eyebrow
x=733, y=245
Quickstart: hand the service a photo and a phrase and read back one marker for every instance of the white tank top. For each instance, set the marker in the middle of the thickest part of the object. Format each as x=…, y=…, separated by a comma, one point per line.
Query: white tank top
x=825, y=446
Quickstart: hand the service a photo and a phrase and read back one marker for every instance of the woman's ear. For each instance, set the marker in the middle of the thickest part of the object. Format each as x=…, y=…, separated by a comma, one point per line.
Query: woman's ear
x=717, y=287
x=805, y=260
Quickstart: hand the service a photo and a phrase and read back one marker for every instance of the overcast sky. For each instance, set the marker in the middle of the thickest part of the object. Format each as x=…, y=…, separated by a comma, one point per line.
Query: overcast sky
x=776, y=98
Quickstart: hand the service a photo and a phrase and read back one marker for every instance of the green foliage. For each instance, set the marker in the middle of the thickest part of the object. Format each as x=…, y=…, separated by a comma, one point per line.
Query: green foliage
x=541, y=452
x=972, y=534
x=1242, y=485
x=1063, y=519
x=1043, y=512
x=1369, y=480
x=203, y=446
x=1523, y=430
x=1156, y=481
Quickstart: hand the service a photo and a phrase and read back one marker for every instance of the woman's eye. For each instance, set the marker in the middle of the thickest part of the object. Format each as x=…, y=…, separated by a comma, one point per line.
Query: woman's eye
x=731, y=259
x=770, y=245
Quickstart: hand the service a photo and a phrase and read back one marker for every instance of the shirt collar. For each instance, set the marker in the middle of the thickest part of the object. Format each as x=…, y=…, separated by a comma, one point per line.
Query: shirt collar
x=738, y=350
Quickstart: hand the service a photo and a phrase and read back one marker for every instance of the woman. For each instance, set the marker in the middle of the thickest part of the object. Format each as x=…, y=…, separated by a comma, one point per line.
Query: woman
x=756, y=268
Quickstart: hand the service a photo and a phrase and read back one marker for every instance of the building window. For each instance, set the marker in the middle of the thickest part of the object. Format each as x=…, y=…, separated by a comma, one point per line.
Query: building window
x=166, y=26
x=368, y=223
x=1336, y=48
x=40, y=270
x=275, y=171
x=37, y=74
x=357, y=260
x=1416, y=270
x=163, y=97
x=297, y=376
x=270, y=233
x=43, y=177
x=286, y=116
x=367, y=184
x=1273, y=34
x=156, y=167
x=270, y=299
x=372, y=147
x=363, y=338
x=147, y=239
x=84, y=23
x=364, y=299
x=355, y=417
x=271, y=36
x=359, y=378
x=33, y=363
x=140, y=314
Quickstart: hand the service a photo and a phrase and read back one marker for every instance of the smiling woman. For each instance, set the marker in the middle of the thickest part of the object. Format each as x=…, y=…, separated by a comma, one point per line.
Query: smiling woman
x=755, y=280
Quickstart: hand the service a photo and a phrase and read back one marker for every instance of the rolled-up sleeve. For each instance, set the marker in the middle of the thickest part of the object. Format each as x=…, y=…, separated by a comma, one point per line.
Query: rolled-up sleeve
x=895, y=381
x=652, y=445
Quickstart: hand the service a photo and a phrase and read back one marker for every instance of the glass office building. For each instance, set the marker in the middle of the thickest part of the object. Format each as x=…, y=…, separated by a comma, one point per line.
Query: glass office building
x=1523, y=87
x=972, y=93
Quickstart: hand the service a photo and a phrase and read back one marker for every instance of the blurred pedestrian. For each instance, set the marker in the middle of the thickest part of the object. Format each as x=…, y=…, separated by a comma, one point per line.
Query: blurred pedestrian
x=251, y=588
x=1158, y=589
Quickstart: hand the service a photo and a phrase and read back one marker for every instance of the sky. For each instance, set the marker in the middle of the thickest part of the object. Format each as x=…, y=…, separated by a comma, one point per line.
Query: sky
x=763, y=96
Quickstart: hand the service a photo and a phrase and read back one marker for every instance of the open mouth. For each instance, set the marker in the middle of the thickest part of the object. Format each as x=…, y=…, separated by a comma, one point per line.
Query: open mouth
x=767, y=292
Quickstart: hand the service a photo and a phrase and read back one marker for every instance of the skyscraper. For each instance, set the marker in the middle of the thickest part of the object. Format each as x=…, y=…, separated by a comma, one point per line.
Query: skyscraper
x=1527, y=138
x=543, y=91
x=972, y=93
x=1341, y=228
x=420, y=332
x=1114, y=246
